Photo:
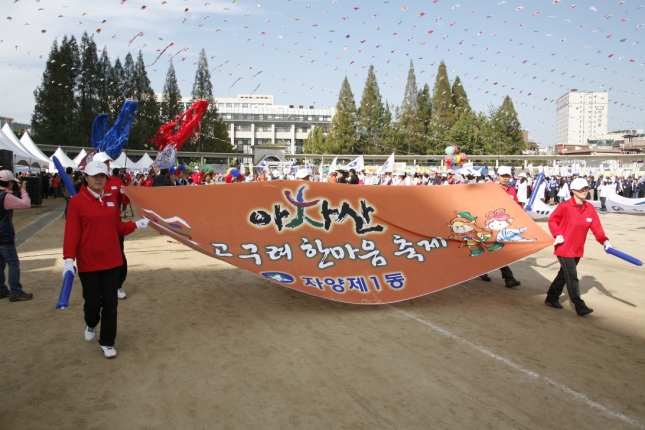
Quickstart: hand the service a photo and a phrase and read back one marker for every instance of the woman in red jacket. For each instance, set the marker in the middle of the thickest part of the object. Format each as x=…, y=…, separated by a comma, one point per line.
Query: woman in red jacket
x=92, y=230
x=569, y=224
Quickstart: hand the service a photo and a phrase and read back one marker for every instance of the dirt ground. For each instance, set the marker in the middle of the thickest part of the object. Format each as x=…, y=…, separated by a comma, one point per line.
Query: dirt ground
x=204, y=345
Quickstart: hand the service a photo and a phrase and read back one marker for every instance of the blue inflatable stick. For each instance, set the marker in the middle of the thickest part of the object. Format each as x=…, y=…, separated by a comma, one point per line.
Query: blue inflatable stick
x=538, y=182
x=624, y=256
x=66, y=288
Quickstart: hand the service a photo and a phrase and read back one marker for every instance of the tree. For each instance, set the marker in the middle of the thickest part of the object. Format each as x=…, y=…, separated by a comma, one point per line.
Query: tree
x=104, y=73
x=507, y=127
x=424, y=119
x=459, y=97
x=408, y=118
x=55, y=106
x=341, y=138
x=171, y=96
x=371, y=115
x=214, y=136
x=315, y=142
x=443, y=109
x=116, y=88
x=87, y=88
x=146, y=120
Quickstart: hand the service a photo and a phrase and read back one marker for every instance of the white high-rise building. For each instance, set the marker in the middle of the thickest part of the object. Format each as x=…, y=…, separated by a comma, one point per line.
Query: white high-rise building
x=581, y=115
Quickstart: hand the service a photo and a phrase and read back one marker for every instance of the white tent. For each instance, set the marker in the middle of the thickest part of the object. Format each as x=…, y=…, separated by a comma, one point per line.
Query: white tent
x=144, y=163
x=32, y=148
x=18, y=154
x=64, y=160
x=122, y=161
x=35, y=158
x=80, y=156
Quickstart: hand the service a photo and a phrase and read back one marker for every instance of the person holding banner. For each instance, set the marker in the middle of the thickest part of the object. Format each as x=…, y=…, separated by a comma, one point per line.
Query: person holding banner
x=92, y=230
x=569, y=224
x=114, y=192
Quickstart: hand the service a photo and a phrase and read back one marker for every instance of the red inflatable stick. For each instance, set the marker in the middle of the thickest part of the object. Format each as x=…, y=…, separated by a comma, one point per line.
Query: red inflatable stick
x=182, y=127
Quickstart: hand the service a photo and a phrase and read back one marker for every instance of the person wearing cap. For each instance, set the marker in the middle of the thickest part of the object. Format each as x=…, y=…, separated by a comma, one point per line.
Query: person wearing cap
x=303, y=175
x=8, y=252
x=92, y=231
x=522, y=190
x=503, y=179
x=570, y=223
x=163, y=179
x=234, y=175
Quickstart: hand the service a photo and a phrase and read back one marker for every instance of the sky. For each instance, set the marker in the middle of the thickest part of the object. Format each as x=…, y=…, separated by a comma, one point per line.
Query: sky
x=300, y=50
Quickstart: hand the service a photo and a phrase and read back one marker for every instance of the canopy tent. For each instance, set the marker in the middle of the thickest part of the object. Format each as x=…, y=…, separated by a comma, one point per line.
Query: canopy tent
x=80, y=156
x=122, y=161
x=142, y=164
x=32, y=148
x=64, y=160
x=18, y=154
x=36, y=157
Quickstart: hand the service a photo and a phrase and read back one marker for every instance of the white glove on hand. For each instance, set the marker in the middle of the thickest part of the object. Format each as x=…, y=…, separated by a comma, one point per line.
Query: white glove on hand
x=558, y=239
x=69, y=266
x=142, y=223
x=607, y=245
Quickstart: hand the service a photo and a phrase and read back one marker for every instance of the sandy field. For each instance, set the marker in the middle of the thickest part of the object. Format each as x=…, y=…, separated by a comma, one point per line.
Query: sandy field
x=204, y=345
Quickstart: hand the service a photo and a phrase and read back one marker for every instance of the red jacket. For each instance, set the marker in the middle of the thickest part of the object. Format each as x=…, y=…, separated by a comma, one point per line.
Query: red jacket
x=511, y=192
x=92, y=231
x=573, y=223
x=113, y=191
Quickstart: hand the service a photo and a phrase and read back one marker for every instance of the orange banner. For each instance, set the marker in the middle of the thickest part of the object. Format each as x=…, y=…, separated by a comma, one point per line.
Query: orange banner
x=353, y=244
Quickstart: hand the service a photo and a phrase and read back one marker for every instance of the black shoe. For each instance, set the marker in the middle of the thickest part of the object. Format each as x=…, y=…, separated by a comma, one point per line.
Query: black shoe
x=556, y=304
x=512, y=282
x=485, y=277
x=4, y=294
x=584, y=312
x=20, y=297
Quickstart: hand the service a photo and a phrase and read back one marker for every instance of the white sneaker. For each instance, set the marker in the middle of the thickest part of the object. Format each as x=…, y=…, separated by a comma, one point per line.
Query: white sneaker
x=121, y=293
x=108, y=351
x=90, y=333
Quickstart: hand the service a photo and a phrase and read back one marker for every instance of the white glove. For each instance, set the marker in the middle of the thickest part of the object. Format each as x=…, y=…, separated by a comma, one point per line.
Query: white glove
x=69, y=266
x=142, y=223
x=607, y=245
x=558, y=239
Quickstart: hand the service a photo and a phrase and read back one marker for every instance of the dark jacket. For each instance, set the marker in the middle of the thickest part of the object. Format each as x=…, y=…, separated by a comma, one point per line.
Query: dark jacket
x=162, y=181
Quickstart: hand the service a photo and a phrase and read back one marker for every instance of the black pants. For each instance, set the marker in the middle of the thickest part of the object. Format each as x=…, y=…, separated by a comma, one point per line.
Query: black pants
x=568, y=275
x=507, y=273
x=123, y=272
x=99, y=292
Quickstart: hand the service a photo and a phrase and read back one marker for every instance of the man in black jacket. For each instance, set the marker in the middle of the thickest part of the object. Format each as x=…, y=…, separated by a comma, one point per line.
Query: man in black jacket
x=162, y=180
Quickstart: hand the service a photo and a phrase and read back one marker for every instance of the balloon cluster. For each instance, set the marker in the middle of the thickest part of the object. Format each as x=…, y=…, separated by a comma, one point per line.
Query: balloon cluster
x=453, y=157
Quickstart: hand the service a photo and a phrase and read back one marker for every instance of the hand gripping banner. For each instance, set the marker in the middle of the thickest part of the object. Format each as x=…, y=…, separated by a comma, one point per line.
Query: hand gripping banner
x=353, y=244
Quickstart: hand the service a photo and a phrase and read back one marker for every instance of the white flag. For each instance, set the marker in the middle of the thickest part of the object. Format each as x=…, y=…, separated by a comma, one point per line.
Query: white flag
x=333, y=167
x=388, y=166
x=357, y=164
x=307, y=166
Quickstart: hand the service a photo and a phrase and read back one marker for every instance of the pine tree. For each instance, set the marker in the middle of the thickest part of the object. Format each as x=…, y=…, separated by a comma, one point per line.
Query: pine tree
x=146, y=121
x=116, y=89
x=424, y=118
x=171, y=97
x=408, y=117
x=371, y=116
x=443, y=109
x=128, y=76
x=341, y=138
x=55, y=107
x=87, y=88
x=459, y=97
x=104, y=73
x=315, y=142
x=507, y=128
x=214, y=136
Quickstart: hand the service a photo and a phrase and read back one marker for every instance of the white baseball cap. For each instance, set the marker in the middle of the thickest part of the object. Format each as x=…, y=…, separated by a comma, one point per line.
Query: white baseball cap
x=302, y=174
x=504, y=170
x=7, y=176
x=94, y=168
x=578, y=184
x=102, y=157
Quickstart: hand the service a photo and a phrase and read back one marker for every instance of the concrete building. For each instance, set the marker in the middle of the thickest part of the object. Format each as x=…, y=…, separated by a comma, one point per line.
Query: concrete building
x=581, y=115
x=255, y=120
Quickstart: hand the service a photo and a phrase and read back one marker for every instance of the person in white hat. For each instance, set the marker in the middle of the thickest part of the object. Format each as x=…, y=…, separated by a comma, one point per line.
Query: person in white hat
x=503, y=179
x=92, y=229
x=8, y=252
x=569, y=224
x=303, y=175
x=113, y=191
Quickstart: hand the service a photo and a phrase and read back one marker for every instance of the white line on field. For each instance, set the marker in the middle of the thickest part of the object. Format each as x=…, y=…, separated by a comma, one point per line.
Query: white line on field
x=605, y=410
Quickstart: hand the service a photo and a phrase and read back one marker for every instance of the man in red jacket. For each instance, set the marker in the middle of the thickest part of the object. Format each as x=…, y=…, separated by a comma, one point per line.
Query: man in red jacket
x=569, y=224
x=113, y=191
x=503, y=178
